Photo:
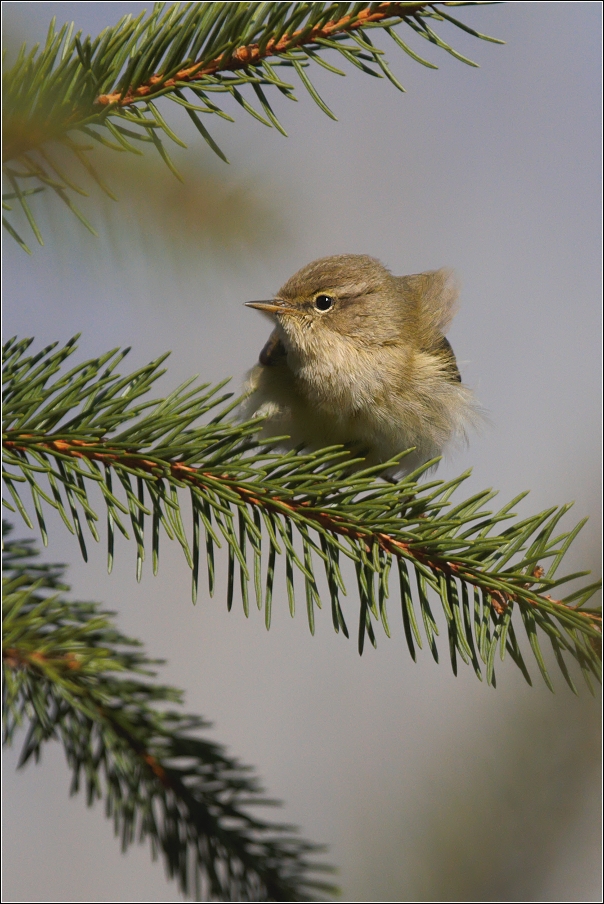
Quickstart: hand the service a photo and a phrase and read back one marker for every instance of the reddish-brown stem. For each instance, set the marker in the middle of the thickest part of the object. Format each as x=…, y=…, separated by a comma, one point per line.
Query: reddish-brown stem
x=326, y=519
x=15, y=658
x=196, y=476
x=250, y=55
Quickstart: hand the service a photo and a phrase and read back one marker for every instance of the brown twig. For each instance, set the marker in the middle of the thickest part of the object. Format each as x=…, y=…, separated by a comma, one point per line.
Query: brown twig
x=15, y=658
x=250, y=55
x=322, y=517
x=196, y=476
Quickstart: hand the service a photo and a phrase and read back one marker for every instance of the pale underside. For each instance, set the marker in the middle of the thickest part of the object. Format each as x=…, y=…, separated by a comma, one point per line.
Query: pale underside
x=381, y=412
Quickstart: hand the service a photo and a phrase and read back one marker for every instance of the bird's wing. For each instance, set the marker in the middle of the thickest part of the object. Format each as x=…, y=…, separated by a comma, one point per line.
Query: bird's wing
x=273, y=352
x=447, y=354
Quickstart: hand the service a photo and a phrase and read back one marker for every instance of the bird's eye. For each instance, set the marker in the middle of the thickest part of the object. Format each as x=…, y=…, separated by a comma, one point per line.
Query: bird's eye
x=323, y=302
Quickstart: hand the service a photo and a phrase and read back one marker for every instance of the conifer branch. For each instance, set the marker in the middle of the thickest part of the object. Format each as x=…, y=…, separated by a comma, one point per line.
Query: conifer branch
x=74, y=429
x=74, y=93
x=253, y=54
x=84, y=440
x=70, y=675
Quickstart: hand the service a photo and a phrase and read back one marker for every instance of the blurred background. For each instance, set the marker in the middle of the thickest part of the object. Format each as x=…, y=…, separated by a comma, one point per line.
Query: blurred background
x=423, y=786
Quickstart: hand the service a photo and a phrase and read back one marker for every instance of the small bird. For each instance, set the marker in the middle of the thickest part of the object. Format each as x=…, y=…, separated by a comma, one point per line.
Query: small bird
x=359, y=357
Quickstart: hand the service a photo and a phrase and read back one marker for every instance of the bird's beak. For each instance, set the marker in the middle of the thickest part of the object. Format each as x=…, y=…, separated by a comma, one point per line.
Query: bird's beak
x=276, y=306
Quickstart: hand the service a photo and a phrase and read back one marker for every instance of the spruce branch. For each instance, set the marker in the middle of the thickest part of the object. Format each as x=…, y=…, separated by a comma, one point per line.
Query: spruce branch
x=69, y=431
x=70, y=675
x=74, y=93
x=302, y=38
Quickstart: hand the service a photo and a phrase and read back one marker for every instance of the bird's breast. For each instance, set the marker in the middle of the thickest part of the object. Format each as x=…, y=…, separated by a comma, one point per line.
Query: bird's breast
x=343, y=383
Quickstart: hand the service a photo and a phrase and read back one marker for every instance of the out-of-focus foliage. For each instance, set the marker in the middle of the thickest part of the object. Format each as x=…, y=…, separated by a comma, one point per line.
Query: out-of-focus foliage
x=76, y=93
x=208, y=211
x=205, y=213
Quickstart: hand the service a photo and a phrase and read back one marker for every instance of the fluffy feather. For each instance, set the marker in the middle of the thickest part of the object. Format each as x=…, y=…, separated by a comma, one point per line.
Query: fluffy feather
x=374, y=371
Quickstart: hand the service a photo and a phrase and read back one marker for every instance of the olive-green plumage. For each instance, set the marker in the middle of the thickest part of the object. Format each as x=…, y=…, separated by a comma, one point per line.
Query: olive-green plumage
x=359, y=356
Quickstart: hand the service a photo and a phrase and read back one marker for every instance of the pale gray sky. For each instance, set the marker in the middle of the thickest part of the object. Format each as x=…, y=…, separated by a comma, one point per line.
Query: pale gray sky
x=423, y=786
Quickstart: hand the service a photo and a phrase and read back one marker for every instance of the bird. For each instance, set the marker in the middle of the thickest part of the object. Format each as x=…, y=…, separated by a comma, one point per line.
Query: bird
x=359, y=357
